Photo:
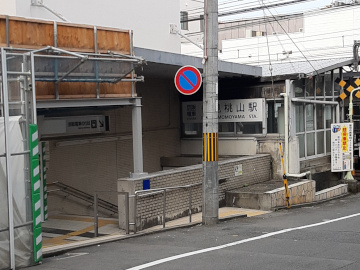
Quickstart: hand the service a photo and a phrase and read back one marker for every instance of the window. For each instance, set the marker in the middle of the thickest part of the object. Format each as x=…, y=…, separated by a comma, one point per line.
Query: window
x=275, y=116
x=184, y=20
x=313, y=121
x=250, y=33
x=202, y=23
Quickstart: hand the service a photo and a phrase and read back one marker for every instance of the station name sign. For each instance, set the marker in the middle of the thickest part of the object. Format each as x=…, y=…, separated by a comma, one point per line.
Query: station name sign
x=233, y=110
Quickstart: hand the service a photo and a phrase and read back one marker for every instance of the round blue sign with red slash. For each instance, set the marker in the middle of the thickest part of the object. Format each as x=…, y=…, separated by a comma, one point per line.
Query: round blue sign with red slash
x=188, y=80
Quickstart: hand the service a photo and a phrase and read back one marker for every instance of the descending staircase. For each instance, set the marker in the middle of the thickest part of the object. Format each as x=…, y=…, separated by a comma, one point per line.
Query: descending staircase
x=71, y=191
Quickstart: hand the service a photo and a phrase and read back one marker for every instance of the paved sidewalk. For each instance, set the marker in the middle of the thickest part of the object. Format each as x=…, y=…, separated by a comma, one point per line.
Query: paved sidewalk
x=65, y=232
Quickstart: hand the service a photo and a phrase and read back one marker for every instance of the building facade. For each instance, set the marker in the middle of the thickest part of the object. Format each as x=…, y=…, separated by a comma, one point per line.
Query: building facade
x=150, y=31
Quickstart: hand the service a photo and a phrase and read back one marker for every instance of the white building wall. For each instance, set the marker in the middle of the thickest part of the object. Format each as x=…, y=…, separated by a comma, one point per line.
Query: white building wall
x=194, y=9
x=328, y=33
x=146, y=18
x=8, y=7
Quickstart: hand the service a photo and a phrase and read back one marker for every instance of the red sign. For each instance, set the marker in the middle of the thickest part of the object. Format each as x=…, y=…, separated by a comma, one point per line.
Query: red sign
x=188, y=80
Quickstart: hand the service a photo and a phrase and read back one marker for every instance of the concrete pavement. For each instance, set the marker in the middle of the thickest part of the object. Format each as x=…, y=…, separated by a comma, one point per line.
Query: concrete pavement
x=64, y=232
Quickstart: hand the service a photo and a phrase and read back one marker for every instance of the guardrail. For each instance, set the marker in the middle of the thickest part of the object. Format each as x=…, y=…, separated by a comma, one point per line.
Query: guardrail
x=95, y=201
x=150, y=192
x=138, y=194
x=96, y=214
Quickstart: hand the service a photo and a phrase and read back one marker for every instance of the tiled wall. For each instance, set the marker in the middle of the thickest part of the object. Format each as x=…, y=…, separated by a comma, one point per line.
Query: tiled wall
x=256, y=169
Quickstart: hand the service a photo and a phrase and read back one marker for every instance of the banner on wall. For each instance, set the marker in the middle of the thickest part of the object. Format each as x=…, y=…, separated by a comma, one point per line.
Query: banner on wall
x=342, y=147
x=233, y=110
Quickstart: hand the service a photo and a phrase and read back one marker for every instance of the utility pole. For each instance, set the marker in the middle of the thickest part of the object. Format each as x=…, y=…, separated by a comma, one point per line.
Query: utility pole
x=210, y=211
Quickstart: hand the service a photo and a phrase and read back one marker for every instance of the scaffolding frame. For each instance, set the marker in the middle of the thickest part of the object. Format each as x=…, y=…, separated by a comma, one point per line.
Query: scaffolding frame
x=20, y=76
x=24, y=67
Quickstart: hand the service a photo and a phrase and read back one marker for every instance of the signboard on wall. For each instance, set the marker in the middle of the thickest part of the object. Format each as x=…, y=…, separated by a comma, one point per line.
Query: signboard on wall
x=86, y=124
x=233, y=110
x=238, y=170
x=342, y=147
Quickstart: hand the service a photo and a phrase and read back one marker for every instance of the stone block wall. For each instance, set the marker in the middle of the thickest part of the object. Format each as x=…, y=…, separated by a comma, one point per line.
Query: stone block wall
x=302, y=192
x=149, y=212
x=331, y=192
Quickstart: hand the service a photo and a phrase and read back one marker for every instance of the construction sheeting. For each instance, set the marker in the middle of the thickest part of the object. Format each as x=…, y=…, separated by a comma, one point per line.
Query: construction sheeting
x=23, y=235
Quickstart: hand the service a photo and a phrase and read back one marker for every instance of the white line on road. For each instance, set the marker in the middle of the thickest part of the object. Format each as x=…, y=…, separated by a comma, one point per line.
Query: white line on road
x=172, y=258
x=72, y=255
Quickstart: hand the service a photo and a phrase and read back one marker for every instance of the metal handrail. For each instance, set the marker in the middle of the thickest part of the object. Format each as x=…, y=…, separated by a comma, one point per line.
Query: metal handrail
x=18, y=226
x=96, y=216
x=83, y=196
x=149, y=192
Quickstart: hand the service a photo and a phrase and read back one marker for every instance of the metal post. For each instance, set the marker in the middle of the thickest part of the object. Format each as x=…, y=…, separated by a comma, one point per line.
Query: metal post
x=190, y=202
x=127, y=212
x=164, y=208
x=26, y=116
x=8, y=158
x=135, y=206
x=137, y=138
x=96, y=64
x=33, y=88
x=349, y=175
x=210, y=211
x=131, y=35
x=7, y=31
x=96, y=219
x=56, y=64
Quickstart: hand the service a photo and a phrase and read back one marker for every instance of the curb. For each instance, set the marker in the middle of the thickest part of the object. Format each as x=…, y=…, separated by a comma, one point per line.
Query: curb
x=60, y=249
x=310, y=203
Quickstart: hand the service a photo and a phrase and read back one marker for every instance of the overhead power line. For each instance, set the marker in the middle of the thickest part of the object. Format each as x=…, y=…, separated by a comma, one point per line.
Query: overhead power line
x=234, y=12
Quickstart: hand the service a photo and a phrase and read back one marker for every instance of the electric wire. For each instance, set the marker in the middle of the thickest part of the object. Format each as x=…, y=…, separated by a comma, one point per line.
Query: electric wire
x=258, y=20
x=270, y=67
x=277, y=19
x=245, y=8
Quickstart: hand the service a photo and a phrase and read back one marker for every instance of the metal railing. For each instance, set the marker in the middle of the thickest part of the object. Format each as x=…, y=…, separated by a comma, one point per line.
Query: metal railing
x=18, y=226
x=96, y=214
x=69, y=190
x=150, y=192
x=95, y=201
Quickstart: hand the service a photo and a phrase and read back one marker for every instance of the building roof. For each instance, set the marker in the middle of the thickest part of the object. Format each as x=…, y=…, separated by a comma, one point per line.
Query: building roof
x=305, y=68
x=165, y=64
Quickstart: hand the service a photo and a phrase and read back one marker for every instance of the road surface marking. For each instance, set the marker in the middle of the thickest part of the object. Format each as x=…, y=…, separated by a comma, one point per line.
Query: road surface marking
x=188, y=254
x=72, y=255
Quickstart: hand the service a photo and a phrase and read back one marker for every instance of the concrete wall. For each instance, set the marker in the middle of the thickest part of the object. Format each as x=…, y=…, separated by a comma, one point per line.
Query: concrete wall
x=97, y=165
x=194, y=9
x=146, y=18
x=256, y=169
x=227, y=146
x=8, y=7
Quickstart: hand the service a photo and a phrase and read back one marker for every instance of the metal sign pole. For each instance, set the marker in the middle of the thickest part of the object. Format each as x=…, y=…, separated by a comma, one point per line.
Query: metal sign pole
x=349, y=175
x=210, y=211
x=8, y=157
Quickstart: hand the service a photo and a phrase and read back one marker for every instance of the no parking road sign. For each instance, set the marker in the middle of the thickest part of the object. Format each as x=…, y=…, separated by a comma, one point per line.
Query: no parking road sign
x=188, y=80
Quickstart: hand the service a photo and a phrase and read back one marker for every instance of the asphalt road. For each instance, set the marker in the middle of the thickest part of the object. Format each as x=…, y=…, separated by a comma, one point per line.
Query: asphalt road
x=324, y=236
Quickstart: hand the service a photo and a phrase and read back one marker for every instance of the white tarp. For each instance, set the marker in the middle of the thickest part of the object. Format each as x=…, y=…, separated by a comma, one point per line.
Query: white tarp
x=23, y=236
